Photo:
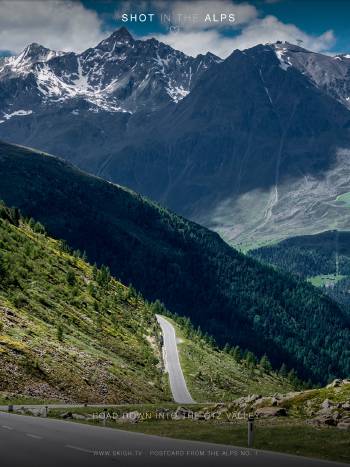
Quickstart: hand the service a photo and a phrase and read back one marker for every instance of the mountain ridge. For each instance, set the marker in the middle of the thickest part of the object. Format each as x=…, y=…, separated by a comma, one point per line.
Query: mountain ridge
x=104, y=75
x=253, y=142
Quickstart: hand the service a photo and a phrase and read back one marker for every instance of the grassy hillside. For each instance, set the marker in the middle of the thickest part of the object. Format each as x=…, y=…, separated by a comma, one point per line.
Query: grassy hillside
x=186, y=266
x=224, y=374
x=68, y=331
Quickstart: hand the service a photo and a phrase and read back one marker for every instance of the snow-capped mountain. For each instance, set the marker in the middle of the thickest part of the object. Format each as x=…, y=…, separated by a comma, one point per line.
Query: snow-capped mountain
x=255, y=146
x=120, y=74
x=257, y=151
x=329, y=73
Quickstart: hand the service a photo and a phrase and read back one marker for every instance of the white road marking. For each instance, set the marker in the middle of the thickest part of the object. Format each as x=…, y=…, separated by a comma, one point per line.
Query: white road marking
x=78, y=448
x=7, y=427
x=34, y=436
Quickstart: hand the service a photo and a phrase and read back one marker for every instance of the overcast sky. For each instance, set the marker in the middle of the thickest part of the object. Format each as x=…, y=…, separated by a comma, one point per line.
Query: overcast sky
x=74, y=25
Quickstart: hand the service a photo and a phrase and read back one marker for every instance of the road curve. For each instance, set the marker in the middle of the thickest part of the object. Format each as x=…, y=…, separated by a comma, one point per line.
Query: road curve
x=178, y=385
x=42, y=442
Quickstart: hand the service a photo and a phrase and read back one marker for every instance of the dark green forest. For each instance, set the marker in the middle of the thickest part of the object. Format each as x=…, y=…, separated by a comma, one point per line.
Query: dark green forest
x=189, y=268
x=327, y=253
x=340, y=292
x=309, y=255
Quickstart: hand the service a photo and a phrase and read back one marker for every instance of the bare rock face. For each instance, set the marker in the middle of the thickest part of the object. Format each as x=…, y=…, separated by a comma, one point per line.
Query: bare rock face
x=78, y=416
x=252, y=399
x=344, y=424
x=323, y=420
x=35, y=412
x=271, y=412
x=333, y=413
x=338, y=383
x=131, y=417
x=182, y=413
x=327, y=404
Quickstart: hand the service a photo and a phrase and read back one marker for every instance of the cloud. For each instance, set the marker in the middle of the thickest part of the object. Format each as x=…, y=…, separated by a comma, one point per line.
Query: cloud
x=68, y=25
x=181, y=10
x=258, y=31
x=270, y=29
x=198, y=42
x=244, y=13
x=133, y=6
x=58, y=24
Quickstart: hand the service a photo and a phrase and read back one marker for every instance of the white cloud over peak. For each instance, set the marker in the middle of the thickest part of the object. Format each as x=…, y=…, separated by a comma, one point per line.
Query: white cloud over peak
x=244, y=13
x=258, y=31
x=270, y=29
x=197, y=10
x=69, y=26
x=198, y=42
x=58, y=24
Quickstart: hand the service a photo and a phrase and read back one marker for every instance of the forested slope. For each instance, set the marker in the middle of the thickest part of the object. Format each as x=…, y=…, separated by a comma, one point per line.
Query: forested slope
x=186, y=266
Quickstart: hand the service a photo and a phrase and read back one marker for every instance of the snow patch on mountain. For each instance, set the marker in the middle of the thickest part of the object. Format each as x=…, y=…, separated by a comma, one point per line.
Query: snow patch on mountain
x=32, y=54
x=70, y=86
x=49, y=84
x=17, y=113
x=281, y=54
x=120, y=74
x=331, y=74
x=81, y=82
x=177, y=93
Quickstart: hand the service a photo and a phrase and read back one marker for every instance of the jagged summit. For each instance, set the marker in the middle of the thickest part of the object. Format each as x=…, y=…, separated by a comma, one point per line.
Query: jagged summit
x=328, y=73
x=35, y=48
x=119, y=37
x=122, y=33
x=286, y=44
x=120, y=74
x=31, y=55
x=209, y=56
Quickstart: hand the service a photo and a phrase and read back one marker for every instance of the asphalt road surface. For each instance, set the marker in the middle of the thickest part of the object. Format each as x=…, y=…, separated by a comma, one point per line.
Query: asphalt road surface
x=41, y=407
x=42, y=442
x=178, y=385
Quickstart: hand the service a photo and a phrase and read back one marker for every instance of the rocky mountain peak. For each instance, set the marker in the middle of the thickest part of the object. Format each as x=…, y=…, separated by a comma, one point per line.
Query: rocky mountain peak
x=120, y=37
x=122, y=34
x=120, y=74
x=35, y=52
x=34, y=49
x=32, y=54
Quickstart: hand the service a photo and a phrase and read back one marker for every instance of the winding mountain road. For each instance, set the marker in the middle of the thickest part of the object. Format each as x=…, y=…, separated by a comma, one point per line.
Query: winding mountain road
x=178, y=385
